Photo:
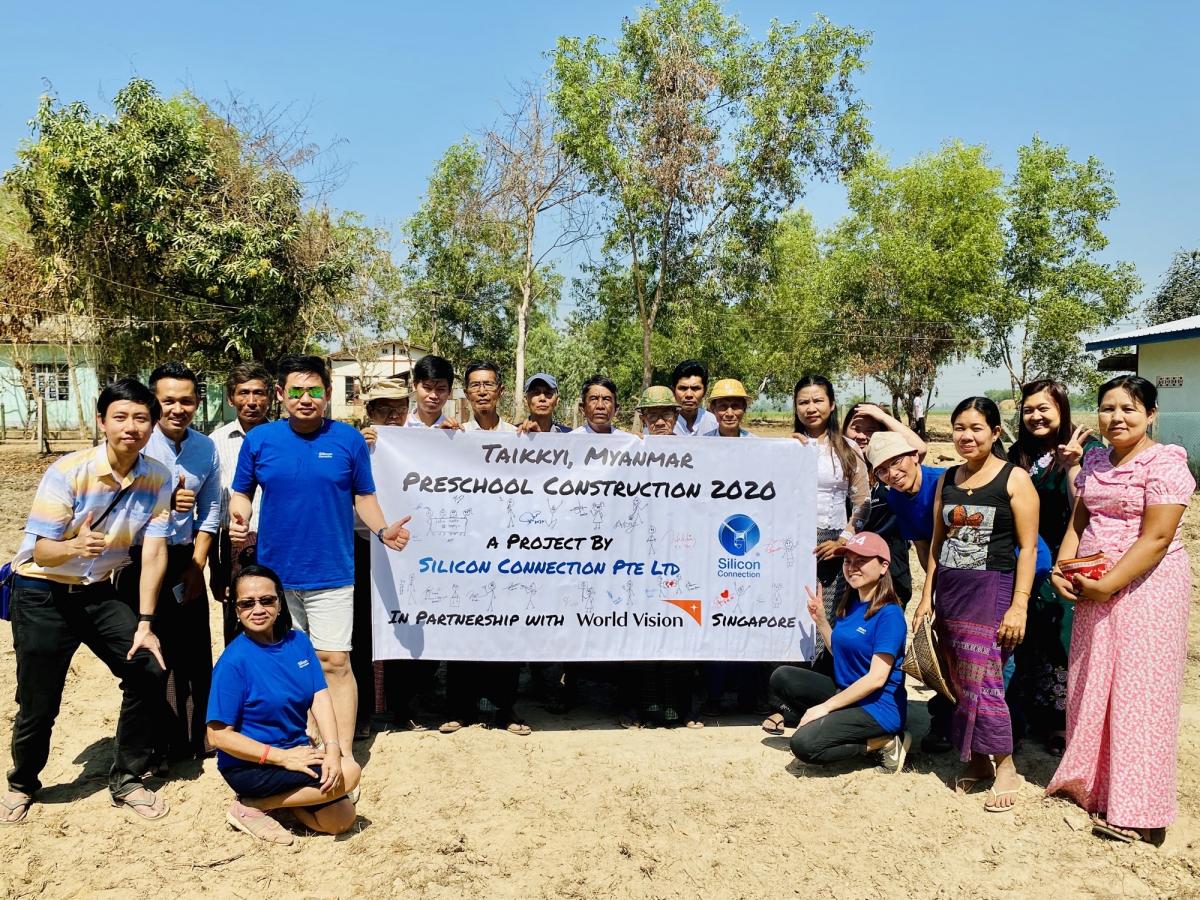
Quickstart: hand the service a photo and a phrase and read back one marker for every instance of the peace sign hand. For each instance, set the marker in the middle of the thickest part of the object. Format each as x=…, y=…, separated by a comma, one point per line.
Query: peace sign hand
x=816, y=603
x=1069, y=454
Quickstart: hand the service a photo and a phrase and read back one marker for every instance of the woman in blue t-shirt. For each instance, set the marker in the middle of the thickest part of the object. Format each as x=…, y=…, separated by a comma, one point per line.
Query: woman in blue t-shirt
x=264, y=686
x=862, y=709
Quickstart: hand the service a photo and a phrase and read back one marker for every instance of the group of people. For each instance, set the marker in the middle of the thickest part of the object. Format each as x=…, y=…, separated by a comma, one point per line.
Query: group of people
x=283, y=514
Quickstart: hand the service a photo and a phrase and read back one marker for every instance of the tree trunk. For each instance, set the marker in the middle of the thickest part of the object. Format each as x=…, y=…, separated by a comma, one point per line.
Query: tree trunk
x=523, y=319
x=73, y=380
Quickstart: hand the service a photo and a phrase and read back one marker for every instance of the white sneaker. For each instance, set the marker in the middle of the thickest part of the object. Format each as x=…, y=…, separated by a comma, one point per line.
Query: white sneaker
x=895, y=753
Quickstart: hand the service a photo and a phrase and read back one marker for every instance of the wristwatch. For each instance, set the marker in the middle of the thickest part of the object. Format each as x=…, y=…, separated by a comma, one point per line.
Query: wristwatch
x=146, y=617
x=379, y=533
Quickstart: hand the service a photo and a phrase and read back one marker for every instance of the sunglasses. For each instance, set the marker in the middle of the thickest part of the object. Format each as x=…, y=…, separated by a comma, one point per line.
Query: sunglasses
x=295, y=393
x=250, y=602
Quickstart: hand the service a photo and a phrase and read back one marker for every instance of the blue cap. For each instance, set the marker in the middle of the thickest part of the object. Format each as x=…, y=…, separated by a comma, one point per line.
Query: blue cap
x=550, y=380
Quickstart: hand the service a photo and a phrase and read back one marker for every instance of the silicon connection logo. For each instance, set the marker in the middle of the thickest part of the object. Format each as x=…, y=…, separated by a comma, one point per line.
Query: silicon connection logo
x=738, y=534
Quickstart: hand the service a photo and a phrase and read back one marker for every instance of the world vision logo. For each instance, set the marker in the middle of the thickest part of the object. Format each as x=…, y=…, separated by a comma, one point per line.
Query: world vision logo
x=691, y=607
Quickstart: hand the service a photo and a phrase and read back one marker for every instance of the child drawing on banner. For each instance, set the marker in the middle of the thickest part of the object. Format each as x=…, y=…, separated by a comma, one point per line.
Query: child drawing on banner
x=968, y=531
x=454, y=599
x=512, y=516
x=650, y=539
x=776, y=595
x=587, y=597
x=597, y=515
x=581, y=509
x=789, y=553
x=553, y=509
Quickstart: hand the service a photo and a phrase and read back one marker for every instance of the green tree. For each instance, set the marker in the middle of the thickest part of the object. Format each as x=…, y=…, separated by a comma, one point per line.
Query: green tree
x=913, y=265
x=1178, y=297
x=694, y=137
x=170, y=230
x=1053, y=289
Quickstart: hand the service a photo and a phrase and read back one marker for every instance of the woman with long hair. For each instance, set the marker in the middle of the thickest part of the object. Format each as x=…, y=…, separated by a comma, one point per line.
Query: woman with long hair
x=980, y=574
x=1129, y=639
x=841, y=476
x=862, y=708
x=1049, y=447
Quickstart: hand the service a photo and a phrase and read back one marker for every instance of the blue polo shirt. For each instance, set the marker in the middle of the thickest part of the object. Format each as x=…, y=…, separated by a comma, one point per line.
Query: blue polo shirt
x=309, y=482
x=914, y=512
x=265, y=691
x=855, y=640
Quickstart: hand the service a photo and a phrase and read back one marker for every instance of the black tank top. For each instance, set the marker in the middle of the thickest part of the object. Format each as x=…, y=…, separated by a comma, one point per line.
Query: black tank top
x=979, y=525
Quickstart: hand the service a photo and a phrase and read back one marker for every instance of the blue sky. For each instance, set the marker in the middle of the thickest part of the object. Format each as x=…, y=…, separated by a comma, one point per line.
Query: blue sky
x=397, y=83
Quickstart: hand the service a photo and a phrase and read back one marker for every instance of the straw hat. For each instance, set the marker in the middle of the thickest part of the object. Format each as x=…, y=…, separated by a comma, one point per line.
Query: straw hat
x=387, y=389
x=728, y=388
x=923, y=661
x=886, y=445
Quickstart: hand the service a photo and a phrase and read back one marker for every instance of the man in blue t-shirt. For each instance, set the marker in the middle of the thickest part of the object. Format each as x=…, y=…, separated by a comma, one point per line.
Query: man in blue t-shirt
x=315, y=475
x=911, y=488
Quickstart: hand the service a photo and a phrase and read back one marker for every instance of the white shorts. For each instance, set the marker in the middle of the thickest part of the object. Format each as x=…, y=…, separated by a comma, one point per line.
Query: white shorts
x=325, y=615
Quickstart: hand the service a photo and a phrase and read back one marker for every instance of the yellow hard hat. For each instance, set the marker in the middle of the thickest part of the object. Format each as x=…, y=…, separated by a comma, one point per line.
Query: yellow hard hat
x=728, y=388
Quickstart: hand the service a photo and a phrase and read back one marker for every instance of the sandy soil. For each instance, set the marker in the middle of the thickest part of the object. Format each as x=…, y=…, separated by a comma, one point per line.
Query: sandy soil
x=581, y=809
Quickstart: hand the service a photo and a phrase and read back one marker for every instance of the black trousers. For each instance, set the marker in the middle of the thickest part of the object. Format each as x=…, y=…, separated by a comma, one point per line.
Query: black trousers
x=840, y=735
x=467, y=682
x=187, y=651
x=49, y=622
x=220, y=573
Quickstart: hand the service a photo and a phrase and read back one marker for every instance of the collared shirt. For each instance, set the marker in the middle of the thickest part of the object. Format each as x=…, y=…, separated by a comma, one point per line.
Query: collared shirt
x=195, y=458
x=705, y=422
x=83, y=482
x=586, y=428
x=716, y=432
x=414, y=421
x=228, y=440
x=472, y=425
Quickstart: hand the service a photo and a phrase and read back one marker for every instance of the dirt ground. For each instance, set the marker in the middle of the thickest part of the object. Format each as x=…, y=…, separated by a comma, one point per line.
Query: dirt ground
x=581, y=809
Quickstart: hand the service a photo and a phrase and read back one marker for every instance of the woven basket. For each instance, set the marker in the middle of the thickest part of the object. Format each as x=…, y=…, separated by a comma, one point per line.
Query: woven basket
x=923, y=662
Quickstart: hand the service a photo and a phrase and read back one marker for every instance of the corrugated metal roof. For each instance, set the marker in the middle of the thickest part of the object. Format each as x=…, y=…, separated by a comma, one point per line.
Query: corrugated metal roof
x=1179, y=330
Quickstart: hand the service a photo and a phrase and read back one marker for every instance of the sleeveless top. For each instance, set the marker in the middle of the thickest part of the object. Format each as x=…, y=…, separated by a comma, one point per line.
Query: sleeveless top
x=979, y=525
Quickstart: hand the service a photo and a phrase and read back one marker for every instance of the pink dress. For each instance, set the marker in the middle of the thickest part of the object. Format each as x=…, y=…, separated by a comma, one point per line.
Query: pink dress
x=1128, y=655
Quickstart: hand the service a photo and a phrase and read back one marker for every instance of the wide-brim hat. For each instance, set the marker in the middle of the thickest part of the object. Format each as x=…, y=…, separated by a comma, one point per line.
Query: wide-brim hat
x=657, y=396
x=885, y=445
x=923, y=661
x=387, y=389
x=727, y=389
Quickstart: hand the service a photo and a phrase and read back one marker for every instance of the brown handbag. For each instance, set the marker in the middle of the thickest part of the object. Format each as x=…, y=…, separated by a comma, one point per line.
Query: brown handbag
x=924, y=662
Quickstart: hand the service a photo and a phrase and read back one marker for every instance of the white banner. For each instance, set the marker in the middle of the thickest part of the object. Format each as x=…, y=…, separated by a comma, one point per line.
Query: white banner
x=574, y=547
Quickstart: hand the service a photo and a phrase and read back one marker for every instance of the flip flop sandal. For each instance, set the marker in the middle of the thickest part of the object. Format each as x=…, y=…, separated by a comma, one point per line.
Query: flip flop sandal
x=135, y=806
x=967, y=784
x=450, y=727
x=263, y=827
x=776, y=727
x=22, y=805
x=991, y=806
x=1116, y=832
x=519, y=728
x=695, y=724
x=413, y=725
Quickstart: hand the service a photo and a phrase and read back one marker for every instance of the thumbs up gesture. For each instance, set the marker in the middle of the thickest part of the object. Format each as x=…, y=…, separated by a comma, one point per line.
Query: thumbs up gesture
x=183, y=500
x=239, y=530
x=395, y=536
x=88, y=544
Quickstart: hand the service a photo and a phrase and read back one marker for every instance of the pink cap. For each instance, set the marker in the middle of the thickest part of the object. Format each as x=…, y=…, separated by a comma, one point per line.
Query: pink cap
x=866, y=543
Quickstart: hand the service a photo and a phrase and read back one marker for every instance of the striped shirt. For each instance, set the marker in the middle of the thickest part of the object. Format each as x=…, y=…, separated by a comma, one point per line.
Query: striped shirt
x=83, y=482
x=229, y=438
x=195, y=458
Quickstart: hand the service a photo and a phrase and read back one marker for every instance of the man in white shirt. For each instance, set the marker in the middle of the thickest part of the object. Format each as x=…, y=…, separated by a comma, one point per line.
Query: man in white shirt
x=248, y=390
x=485, y=387
x=433, y=381
x=689, y=382
x=918, y=423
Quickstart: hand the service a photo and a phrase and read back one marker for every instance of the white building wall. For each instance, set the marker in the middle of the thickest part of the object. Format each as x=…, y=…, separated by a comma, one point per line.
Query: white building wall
x=1174, y=368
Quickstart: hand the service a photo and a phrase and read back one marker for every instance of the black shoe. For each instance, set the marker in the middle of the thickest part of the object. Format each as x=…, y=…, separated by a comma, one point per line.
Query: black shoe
x=935, y=743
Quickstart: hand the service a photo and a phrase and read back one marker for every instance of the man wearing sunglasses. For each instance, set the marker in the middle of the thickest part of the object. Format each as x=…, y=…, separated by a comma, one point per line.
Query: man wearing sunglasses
x=315, y=474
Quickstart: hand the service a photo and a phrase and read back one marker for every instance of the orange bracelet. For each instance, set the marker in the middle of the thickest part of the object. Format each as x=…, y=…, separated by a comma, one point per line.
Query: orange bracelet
x=266, y=751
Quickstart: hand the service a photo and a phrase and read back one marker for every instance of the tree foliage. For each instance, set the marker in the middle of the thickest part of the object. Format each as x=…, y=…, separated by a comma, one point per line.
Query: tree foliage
x=693, y=136
x=1053, y=289
x=163, y=225
x=914, y=264
x=1178, y=297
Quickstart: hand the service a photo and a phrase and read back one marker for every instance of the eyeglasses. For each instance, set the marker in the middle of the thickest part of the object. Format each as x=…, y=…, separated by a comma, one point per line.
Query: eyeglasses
x=477, y=386
x=295, y=393
x=249, y=603
x=389, y=411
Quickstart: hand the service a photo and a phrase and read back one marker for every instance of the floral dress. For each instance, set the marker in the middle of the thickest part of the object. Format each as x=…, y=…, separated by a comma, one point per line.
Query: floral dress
x=1128, y=654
